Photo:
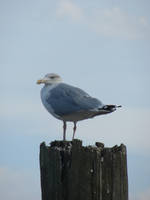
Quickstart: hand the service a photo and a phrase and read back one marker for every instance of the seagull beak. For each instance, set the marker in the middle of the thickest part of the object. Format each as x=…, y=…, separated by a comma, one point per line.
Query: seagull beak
x=40, y=81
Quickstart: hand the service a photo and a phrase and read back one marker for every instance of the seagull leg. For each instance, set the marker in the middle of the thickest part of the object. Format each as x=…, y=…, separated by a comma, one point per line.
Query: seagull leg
x=74, y=130
x=64, y=130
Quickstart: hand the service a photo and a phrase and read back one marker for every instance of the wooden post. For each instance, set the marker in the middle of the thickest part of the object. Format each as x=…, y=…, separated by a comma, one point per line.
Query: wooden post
x=70, y=171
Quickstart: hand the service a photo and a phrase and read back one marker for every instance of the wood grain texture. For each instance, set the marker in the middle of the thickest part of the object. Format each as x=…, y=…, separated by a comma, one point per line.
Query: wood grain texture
x=70, y=171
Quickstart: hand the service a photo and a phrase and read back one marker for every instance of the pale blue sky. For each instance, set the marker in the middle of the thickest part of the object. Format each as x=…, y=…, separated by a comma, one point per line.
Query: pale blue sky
x=100, y=46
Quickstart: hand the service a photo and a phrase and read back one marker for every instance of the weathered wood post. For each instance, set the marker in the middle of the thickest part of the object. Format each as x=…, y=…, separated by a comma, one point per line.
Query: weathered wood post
x=70, y=171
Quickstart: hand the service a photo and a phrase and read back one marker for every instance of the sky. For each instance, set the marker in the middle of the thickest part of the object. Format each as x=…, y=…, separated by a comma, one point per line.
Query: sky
x=100, y=46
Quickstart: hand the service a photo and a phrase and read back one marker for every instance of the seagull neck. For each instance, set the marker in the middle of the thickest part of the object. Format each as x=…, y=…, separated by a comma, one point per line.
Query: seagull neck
x=51, y=85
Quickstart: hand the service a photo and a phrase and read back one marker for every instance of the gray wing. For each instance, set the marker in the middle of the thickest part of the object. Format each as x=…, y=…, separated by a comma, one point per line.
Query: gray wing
x=65, y=99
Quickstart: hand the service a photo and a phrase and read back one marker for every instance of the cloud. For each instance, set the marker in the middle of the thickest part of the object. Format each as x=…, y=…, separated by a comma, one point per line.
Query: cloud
x=112, y=22
x=143, y=21
x=115, y=22
x=68, y=8
x=18, y=184
x=127, y=125
x=144, y=195
x=27, y=116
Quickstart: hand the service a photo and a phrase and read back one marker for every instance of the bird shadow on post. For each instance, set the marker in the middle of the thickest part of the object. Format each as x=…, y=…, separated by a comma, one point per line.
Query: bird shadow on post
x=70, y=171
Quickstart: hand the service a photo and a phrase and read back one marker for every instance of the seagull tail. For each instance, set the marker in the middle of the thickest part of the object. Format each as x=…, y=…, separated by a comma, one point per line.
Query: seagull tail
x=106, y=109
x=111, y=108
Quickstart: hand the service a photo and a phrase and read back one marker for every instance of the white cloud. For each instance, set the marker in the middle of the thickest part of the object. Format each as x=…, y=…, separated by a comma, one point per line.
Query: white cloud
x=128, y=126
x=16, y=185
x=112, y=22
x=68, y=8
x=144, y=195
x=27, y=116
x=143, y=21
x=115, y=22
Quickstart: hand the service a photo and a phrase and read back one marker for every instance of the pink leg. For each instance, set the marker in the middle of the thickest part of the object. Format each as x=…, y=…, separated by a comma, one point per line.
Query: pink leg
x=64, y=130
x=74, y=130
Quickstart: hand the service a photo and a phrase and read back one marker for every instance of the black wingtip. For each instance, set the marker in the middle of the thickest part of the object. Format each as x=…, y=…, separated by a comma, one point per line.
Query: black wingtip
x=119, y=106
x=111, y=108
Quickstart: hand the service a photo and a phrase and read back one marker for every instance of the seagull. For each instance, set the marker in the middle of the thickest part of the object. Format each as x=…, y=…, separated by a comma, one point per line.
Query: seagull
x=69, y=103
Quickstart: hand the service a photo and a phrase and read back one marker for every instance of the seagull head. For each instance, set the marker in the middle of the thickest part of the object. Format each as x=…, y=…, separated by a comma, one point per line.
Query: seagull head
x=50, y=79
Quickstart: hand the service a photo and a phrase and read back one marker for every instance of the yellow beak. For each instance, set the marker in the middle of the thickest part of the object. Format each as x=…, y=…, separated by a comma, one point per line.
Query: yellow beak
x=40, y=81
